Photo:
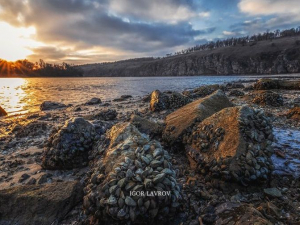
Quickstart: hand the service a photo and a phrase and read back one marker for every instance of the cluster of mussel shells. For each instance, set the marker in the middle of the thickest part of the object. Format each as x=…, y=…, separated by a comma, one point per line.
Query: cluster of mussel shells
x=205, y=138
x=143, y=170
x=177, y=100
x=68, y=147
x=256, y=162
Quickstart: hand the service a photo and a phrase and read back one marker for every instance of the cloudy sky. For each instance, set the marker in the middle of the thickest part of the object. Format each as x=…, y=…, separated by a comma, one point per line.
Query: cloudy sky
x=87, y=31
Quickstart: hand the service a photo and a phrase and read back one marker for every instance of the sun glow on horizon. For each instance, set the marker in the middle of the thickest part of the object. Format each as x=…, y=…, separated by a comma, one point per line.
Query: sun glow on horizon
x=16, y=42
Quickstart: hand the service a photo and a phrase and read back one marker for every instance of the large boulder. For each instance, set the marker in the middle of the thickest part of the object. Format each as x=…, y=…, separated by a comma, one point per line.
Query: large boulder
x=123, y=179
x=39, y=204
x=2, y=112
x=268, y=98
x=183, y=119
x=69, y=147
x=234, y=143
x=267, y=84
x=162, y=101
x=48, y=105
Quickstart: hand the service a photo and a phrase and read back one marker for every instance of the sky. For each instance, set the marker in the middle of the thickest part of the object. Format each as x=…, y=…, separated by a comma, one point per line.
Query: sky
x=94, y=31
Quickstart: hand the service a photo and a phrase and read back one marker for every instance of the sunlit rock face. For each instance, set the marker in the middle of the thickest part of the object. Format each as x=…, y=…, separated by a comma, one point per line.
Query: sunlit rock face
x=235, y=143
x=131, y=163
x=2, y=112
x=69, y=147
x=182, y=120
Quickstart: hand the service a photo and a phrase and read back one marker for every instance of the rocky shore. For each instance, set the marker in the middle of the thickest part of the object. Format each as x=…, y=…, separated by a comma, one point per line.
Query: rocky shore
x=218, y=154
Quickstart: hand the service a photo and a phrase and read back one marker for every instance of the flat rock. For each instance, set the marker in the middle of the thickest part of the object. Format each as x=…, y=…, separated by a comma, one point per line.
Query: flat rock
x=48, y=105
x=234, y=143
x=39, y=204
x=178, y=122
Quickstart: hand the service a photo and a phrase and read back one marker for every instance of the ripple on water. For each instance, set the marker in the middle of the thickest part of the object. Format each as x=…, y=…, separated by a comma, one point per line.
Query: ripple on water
x=287, y=141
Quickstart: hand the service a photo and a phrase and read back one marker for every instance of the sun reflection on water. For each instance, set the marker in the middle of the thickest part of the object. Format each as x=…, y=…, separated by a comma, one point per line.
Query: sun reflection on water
x=13, y=97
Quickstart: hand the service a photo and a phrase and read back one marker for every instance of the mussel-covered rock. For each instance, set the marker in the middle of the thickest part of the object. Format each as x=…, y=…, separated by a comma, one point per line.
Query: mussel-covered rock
x=236, y=93
x=104, y=114
x=146, y=126
x=133, y=180
x=2, y=112
x=267, y=84
x=234, y=85
x=268, y=98
x=48, y=105
x=202, y=91
x=183, y=119
x=234, y=143
x=162, y=101
x=69, y=147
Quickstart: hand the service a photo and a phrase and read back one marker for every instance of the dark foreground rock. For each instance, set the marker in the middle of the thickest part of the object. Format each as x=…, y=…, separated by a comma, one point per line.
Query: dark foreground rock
x=183, y=119
x=162, y=101
x=39, y=204
x=48, y=105
x=2, y=112
x=104, y=114
x=234, y=143
x=69, y=147
x=268, y=84
x=131, y=163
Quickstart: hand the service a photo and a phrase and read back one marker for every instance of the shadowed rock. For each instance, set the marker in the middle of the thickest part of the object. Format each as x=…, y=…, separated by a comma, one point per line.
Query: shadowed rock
x=131, y=162
x=48, y=105
x=39, y=204
x=93, y=101
x=2, y=112
x=294, y=113
x=183, y=119
x=104, y=114
x=146, y=126
x=202, y=91
x=234, y=143
x=69, y=147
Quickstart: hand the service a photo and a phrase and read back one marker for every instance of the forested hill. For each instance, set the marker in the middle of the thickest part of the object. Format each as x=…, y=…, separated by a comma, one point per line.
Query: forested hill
x=271, y=56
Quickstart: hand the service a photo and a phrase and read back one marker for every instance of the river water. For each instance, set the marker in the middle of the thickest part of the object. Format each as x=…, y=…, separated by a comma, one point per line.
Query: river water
x=22, y=95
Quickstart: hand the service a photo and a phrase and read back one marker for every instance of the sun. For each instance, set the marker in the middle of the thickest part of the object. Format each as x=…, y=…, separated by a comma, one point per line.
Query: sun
x=16, y=42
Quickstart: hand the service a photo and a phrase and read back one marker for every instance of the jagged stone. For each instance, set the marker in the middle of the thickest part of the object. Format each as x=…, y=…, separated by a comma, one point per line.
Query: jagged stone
x=128, y=164
x=69, y=147
x=268, y=98
x=48, y=105
x=234, y=143
x=183, y=119
x=2, y=112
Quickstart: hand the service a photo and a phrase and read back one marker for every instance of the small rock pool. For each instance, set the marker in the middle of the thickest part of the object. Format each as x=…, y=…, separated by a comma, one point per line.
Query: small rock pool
x=287, y=151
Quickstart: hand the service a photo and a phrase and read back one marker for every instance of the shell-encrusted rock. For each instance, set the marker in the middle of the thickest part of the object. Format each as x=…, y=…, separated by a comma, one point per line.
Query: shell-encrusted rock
x=130, y=163
x=129, y=201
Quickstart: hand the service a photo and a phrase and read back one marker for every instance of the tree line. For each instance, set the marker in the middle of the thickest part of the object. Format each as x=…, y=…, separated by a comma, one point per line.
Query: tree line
x=38, y=69
x=251, y=40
